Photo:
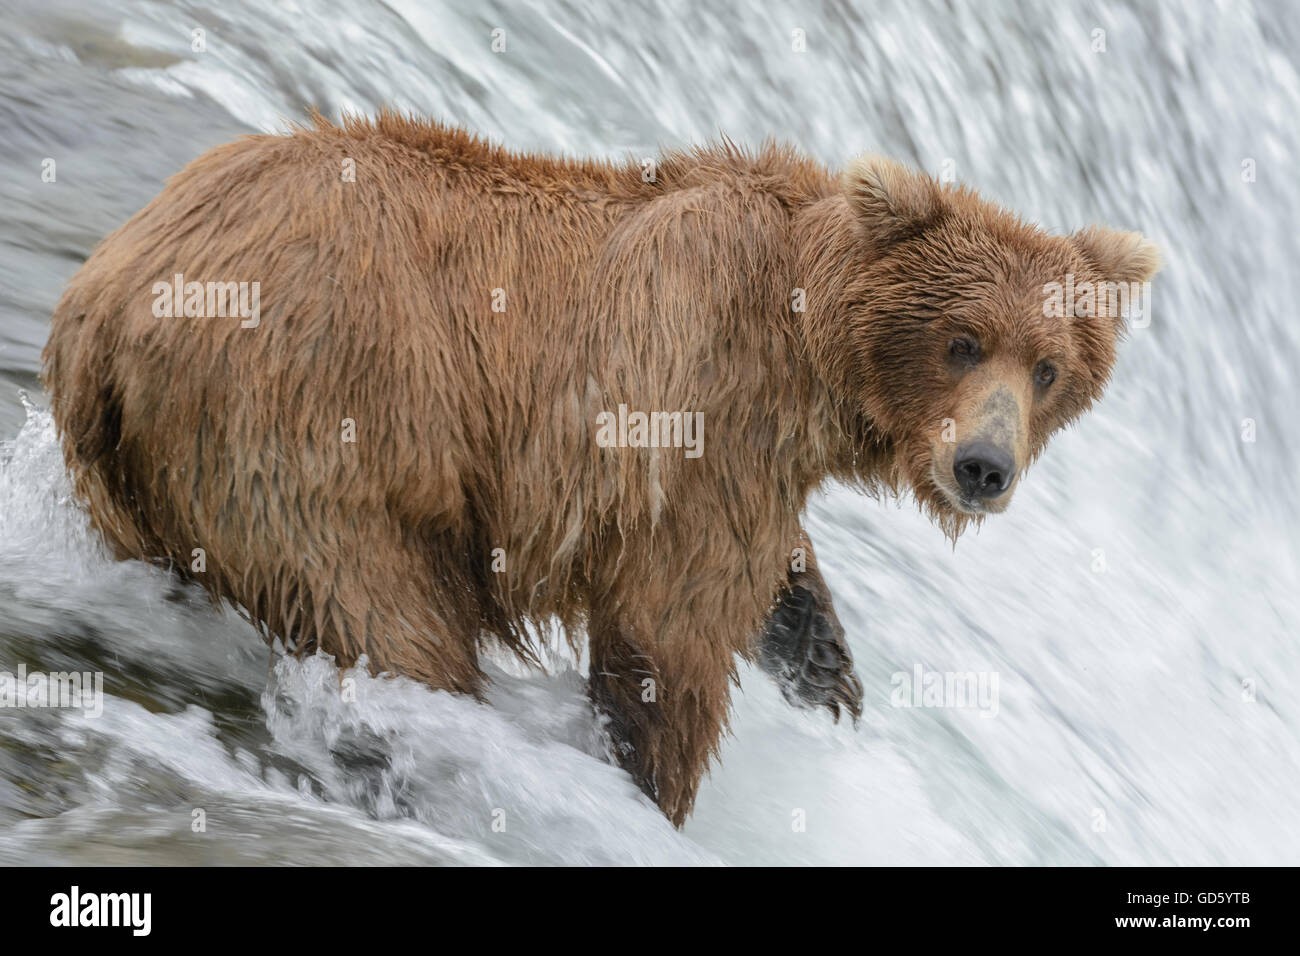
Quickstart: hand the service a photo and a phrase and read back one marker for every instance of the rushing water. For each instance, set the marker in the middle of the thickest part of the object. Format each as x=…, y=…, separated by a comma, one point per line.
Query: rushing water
x=1137, y=603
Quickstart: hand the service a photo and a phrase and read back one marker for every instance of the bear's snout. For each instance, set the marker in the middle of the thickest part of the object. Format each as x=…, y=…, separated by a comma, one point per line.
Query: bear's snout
x=983, y=470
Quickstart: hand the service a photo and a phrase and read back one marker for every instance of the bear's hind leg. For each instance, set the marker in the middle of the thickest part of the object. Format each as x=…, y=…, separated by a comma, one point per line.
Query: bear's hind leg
x=376, y=594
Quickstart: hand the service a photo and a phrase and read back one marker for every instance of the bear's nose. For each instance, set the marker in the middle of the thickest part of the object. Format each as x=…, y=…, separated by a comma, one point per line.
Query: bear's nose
x=983, y=470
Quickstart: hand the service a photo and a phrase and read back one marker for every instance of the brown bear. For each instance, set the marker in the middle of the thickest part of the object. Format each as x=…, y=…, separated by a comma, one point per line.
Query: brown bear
x=391, y=390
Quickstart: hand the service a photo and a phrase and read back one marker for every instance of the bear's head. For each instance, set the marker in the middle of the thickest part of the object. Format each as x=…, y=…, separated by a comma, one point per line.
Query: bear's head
x=964, y=336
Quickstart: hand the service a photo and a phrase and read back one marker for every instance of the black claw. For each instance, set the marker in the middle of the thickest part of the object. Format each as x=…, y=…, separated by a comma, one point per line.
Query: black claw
x=803, y=647
x=820, y=677
x=825, y=655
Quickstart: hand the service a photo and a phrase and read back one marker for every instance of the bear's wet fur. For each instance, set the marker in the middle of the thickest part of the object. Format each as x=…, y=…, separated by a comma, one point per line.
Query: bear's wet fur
x=471, y=312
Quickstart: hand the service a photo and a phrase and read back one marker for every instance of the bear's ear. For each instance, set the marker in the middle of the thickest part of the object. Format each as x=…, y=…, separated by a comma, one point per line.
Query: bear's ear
x=1121, y=256
x=890, y=200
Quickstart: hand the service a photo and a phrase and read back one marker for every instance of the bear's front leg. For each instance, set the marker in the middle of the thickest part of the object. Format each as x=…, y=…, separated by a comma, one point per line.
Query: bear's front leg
x=665, y=694
x=802, y=644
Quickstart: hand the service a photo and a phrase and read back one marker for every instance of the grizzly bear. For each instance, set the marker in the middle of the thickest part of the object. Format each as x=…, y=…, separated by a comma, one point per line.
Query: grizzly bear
x=448, y=392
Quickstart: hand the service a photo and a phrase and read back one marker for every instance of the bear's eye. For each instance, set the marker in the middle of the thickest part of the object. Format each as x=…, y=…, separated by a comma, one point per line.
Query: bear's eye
x=1044, y=374
x=964, y=349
